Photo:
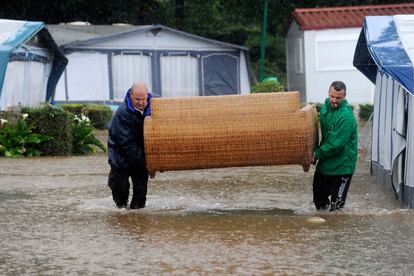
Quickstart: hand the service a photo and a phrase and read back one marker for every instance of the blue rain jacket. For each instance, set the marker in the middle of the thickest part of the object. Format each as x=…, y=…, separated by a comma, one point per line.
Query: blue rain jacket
x=126, y=137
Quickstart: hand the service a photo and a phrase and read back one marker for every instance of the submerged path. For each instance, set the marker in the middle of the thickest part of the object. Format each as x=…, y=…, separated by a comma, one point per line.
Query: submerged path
x=57, y=217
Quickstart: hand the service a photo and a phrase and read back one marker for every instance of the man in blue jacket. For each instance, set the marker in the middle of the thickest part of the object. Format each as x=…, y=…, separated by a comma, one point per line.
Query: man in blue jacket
x=126, y=148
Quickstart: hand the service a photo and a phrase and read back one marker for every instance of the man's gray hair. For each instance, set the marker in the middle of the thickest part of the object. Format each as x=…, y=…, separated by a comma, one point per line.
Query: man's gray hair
x=139, y=86
x=338, y=86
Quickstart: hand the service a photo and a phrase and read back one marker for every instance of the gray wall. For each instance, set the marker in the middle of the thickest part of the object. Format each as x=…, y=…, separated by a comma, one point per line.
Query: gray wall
x=295, y=61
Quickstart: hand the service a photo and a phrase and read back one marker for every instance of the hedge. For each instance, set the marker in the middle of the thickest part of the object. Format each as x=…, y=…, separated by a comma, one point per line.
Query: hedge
x=100, y=115
x=265, y=87
x=55, y=123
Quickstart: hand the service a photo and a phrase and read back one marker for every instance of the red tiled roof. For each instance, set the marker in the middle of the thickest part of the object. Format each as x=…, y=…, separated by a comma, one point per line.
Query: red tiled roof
x=345, y=17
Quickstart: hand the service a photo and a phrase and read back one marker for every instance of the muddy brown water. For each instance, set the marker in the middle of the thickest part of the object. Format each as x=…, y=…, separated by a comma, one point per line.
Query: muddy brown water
x=57, y=217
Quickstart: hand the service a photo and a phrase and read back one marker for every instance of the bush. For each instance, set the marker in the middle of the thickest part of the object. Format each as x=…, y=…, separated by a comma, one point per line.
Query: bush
x=83, y=136
x=73, y=108
x=265, y=87
x=55, y=123
x=100, y=115
x=10, y=116
x=18, y=139
x=365, y=111
x=65, y=132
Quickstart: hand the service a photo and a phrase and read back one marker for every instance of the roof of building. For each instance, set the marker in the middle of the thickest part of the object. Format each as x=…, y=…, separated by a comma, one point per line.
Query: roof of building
x=345, y=17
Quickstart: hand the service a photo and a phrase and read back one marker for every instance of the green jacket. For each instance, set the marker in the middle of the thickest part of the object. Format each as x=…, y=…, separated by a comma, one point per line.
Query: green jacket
x=338, y=149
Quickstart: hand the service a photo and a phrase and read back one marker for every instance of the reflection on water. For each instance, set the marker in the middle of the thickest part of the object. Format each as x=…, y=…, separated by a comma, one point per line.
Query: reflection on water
x=248, y=221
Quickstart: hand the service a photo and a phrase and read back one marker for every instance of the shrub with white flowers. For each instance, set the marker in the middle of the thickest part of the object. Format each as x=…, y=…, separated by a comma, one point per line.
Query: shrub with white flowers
x=83, y=138
x=18, y=139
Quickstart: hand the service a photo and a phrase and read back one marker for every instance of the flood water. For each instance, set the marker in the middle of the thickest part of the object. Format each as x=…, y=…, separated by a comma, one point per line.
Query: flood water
x=57, y=217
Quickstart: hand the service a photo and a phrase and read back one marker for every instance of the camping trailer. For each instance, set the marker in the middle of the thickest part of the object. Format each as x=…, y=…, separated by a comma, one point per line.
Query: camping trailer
x=30, y=64
x=385, y=55
x=171, y=62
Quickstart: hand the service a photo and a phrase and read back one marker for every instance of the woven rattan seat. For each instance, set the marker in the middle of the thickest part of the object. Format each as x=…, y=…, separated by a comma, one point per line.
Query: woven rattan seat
x=229, y=131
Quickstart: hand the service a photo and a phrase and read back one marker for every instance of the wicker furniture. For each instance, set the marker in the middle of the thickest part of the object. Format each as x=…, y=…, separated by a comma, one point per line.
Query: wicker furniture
x=229, y=131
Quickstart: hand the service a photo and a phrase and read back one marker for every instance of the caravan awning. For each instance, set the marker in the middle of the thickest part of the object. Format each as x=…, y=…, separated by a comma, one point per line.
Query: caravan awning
x=386, y=43
x=14, y=34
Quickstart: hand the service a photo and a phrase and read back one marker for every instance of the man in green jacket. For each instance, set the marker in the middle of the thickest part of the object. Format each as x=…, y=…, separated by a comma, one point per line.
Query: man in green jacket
x=337, y=153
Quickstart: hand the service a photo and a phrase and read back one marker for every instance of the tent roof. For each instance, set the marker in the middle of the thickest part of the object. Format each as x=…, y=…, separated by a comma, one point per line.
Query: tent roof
x=152, y=28
x=13, y=33
x=345, y=17
x=66, y=33
x=386, y=43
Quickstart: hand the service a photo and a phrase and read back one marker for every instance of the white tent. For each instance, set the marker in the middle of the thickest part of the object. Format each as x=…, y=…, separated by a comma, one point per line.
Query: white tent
x=385, y=55
x=172, y=63
x=30, y=64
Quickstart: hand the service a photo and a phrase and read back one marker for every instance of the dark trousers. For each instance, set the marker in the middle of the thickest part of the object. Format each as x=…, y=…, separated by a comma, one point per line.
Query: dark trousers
x=329, y=191
x=118, y=181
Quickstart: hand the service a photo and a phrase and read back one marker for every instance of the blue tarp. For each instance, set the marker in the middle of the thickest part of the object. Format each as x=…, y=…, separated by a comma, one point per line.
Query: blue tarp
x=10, y=46
x=379, y=47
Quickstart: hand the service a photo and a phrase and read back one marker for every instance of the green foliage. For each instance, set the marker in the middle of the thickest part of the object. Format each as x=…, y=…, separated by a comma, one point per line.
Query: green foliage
x=193, y=15
x=69, y=133
x=19, y=139
x=99, y=115
x=83, y=137
x=275, y=61
x=365, y=111
x=270, y=86
x=75, y=109
x=55, y=123
x=64, y=132
x=10, y=116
